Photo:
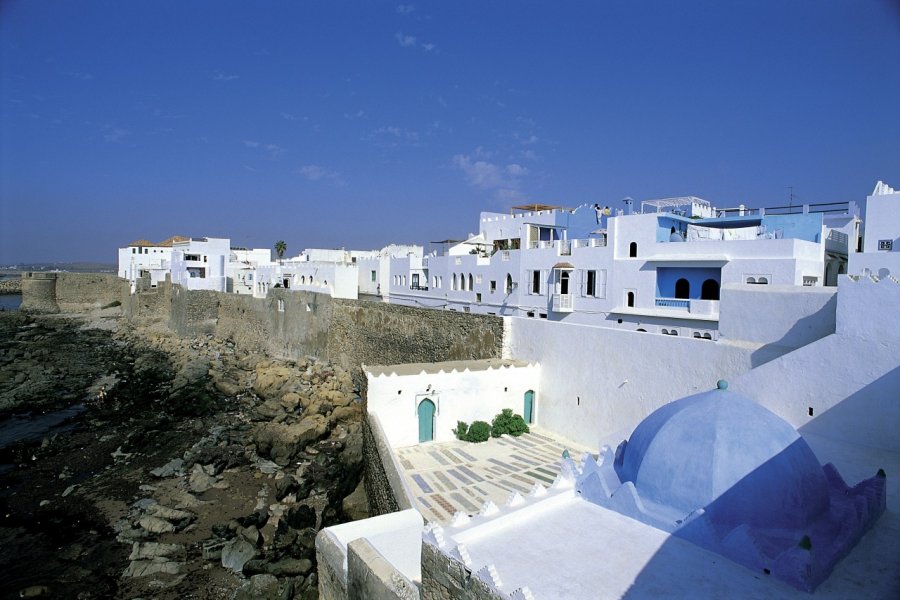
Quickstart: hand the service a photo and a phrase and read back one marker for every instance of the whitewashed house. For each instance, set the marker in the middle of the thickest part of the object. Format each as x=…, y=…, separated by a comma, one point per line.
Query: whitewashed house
x=199, y=263
x=660, y=270
x=241, y=269
x=880, y=249
x=143, y=258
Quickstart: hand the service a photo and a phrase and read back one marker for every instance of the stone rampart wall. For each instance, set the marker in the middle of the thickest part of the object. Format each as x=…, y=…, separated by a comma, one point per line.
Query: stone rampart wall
x=445, y=578
x=39, y=293
x=371, y=577
x=84, y=291
x=383, y=481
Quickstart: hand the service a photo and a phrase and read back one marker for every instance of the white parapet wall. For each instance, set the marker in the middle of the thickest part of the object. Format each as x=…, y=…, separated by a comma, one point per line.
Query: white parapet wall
x=467, y=391
x=396, y=537
x=595, y=381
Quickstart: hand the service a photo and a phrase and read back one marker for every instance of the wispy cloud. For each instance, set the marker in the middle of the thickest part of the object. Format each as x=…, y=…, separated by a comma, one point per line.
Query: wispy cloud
x=392, y=136
x=274, y=150
x=114, y=134
x=289, y=117
x=220, y=76
x=320, y=173
x=249, y=168
x=503, y=180
x=357, y=115
x=405, y=9
x=411, y=41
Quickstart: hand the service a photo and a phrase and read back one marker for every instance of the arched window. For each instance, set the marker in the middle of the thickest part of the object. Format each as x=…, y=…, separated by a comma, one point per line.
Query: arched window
x=710, y=290
x=762, y=281
x=564, y=283
x=471, y=283
x=453, y=282
x=706, y=336
x=630, y=299
x=508, y=284
x=697, y=334
x=665, y=332
x=673, y=332
x=751, y=280
x=683, y=288
x=642, y=330
x=325, y=283
x=632, y=250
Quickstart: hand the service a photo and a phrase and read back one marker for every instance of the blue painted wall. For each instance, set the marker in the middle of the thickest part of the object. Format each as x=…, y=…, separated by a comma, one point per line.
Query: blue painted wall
x=801, y=227
x=667, y=276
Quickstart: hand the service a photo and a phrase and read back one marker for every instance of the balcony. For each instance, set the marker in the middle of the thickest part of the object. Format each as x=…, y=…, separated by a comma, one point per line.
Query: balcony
x=562, y=303
x=709, y=308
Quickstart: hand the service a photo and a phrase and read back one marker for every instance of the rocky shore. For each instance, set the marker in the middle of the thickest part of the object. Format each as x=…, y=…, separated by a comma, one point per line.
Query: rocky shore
x=10, y=286
x=177, y=468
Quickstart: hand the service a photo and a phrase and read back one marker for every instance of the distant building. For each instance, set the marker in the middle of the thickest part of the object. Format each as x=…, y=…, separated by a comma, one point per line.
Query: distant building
x=143, y=258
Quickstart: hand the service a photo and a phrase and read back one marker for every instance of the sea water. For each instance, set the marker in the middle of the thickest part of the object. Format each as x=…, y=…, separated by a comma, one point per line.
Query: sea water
x=10, y=301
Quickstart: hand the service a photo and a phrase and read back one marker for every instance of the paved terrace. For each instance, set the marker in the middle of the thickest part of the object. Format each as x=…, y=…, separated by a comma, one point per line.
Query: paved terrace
x=461, y=476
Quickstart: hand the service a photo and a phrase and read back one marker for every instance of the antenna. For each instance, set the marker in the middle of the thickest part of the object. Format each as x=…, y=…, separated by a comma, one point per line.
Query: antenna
x=791, y=198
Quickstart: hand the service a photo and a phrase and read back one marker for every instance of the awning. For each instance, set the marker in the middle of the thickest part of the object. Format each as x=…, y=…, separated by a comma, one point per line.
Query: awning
x=564, y=265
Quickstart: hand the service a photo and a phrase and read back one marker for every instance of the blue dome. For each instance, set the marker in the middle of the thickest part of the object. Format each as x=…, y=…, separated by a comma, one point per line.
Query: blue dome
x=722, y=452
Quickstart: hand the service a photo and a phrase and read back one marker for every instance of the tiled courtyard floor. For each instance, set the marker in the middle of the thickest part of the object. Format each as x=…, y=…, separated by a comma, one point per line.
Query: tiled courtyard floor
x=461, y=476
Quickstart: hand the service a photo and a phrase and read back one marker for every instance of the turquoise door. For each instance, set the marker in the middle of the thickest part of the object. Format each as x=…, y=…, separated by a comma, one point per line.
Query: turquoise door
x=529, y=407
x=426, y=420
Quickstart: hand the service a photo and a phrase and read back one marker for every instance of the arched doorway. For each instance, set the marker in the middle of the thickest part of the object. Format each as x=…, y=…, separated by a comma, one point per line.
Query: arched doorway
x=630, y=299
x=632, y=250
x=710, y=290
x=426, y=420
x=528, y=411
x=683, y=288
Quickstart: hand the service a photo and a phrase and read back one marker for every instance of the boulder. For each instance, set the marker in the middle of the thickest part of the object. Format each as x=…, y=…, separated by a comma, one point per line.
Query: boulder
x=356, y=505
x=236, y=553
x=155, y=524
x=280, y=442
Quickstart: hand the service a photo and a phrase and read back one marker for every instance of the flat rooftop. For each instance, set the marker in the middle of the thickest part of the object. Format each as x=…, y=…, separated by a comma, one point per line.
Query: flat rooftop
x=461, y=476
x=447, y=366
x=624, y=558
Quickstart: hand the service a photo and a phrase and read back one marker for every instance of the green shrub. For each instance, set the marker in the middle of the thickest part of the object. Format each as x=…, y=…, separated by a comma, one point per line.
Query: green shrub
x=479, y=431
x=507, y=422
x=461, y=431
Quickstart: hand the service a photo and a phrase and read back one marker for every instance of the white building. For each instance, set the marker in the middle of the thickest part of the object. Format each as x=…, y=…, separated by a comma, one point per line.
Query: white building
x=199, y=263
x=880, y=255
x=659, y=271
x=241, y=269
x=143, y=258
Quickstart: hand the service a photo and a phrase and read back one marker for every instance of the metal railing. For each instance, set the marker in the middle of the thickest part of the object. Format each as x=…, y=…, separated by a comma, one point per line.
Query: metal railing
x=677, y=303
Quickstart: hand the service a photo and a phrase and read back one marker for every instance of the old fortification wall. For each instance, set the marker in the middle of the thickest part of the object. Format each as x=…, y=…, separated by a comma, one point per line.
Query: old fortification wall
x=39, y=293
x=85, y=291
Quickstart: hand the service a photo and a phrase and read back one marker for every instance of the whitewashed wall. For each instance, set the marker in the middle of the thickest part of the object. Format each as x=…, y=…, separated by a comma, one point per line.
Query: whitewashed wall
x=850, y=380
x=458, y=396
x=782, y=315
x=597, y=381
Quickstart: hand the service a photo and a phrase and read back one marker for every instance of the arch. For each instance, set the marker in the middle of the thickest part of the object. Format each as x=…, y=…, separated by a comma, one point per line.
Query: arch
x=425, y=412
x=453, y=283
x=709, y=290
x=303, y=280
x=325, y=283
x=471, y=283
x=508, y=284
x=528, y=410
x=697, y=334
x=632, y=250
x=751, y=280
x=762, y=280
x=642, y=330
x=564, y=282
x=630, y=299
x=673, y=332
x=707, y=336
x=665, y=332
x=683, y=288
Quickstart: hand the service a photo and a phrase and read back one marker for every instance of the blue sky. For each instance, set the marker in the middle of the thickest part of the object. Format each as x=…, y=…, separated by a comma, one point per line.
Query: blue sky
x=357, y=124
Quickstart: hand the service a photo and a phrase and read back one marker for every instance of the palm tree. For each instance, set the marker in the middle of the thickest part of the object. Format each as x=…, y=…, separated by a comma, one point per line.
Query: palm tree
x=280, y=249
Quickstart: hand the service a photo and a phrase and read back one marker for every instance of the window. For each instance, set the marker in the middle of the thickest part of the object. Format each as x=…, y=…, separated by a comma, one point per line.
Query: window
x=683, y=288
x=535, y=282
x=478, y=279
x=710, y=290
x=478, y=297
x=453, y=282
x=281, y=306
x=471, y=285
x=629, y=299
x=415, y=281
x=564, y=283
x=809, y=281
x=632, y=250
x=493, y=286
x=591, y=284
x=134, y=250
x=374, y=276
x=508, y=284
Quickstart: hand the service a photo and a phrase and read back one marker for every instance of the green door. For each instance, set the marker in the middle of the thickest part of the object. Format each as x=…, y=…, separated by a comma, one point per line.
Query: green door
x=529, y=407
x=426, y=420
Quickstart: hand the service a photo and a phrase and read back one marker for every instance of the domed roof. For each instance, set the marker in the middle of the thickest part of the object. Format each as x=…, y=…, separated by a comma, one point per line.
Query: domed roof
x=727, y=454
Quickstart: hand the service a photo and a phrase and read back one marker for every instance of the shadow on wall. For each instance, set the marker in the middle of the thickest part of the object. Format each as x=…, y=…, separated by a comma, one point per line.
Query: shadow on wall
x=805, y=331
x=802, y=549
x=873, y=410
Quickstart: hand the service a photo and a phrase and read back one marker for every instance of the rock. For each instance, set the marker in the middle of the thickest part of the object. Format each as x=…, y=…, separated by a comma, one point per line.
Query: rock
x=155, y=524
x=212, y=549
x=149, y=550
x=280, y=442
x=290, y=401
x=167, y=470
x=145, y=568
x=356, y=505
x=169, y=514
x=290, y=567
x=236, y=553
x=228, y=387
x=285, y=486
x=200, y=480
x=34, y=591
x=261, y=587
x=300, y=517
x=252, y=535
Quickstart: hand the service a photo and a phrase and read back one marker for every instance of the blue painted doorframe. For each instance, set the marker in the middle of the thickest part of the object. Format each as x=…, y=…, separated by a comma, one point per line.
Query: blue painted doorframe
x=426, y=420
x=528, y=411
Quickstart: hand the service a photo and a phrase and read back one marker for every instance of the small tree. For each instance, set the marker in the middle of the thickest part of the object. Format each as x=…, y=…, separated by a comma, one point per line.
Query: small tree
x=479, y=431
x=280, y=249
x=507, y=422
x=462, y=431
